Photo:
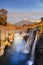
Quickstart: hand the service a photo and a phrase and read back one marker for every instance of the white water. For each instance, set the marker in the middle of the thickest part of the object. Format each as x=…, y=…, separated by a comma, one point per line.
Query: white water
x=31, y=61
x=33, y=48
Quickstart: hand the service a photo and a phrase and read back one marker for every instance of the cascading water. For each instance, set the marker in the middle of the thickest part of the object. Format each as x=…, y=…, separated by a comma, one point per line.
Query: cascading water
x=33, y=48
x=19, y=52
x=31, y=61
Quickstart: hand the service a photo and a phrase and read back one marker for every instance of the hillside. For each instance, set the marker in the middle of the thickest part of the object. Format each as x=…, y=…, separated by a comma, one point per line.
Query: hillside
x=23, y=22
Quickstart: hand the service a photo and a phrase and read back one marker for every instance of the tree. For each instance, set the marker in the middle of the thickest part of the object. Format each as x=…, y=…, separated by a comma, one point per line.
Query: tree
x=3, y=17
x=41, y=19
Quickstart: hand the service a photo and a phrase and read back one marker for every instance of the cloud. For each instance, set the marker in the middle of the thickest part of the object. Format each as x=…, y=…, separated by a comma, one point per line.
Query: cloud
x=15, y=17
x=34, y=13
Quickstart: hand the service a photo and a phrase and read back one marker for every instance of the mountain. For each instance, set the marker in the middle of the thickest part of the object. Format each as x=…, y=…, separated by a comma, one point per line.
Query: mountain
x=23, y=22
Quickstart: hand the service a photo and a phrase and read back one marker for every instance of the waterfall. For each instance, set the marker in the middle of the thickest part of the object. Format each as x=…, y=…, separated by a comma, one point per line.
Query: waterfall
x=33, y=48
x=27, y=47
x=31, y=61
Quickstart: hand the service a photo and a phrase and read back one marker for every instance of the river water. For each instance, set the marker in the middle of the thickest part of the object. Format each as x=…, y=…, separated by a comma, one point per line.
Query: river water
x=22, y=52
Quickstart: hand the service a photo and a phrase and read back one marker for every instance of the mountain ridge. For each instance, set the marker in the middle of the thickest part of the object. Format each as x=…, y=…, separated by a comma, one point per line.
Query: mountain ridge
x=23, y=22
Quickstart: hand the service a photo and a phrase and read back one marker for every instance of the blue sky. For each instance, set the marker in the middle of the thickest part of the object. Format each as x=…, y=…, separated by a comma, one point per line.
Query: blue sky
x=21, y=5
x=28, y=7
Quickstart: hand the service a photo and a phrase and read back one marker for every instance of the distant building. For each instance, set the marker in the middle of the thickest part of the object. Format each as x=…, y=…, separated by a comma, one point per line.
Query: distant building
x=3, y=17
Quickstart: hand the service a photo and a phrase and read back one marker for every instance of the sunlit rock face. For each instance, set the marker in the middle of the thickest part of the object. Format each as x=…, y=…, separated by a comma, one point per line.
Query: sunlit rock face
x=22, y=51
x=6, y=39
x=1, y=52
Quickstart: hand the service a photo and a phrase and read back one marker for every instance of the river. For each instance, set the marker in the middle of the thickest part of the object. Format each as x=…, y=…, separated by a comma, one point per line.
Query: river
x=21, y=51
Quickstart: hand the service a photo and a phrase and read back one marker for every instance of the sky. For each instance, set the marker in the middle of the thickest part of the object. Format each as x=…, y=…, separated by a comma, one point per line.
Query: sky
x=22, y=9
